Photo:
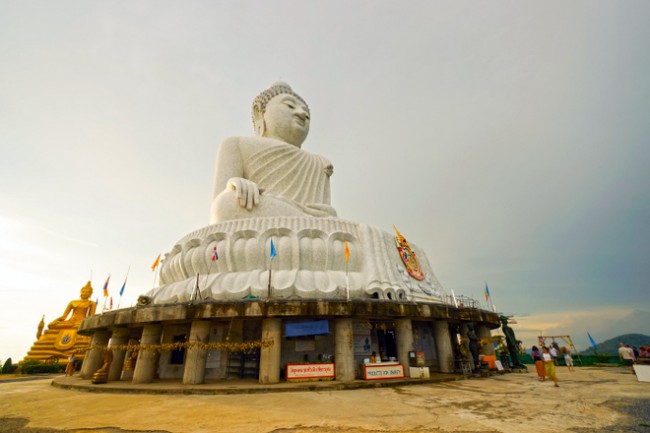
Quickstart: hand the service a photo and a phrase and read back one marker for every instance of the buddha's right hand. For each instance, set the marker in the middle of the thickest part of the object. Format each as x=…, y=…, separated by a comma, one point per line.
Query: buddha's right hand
x=247, y=192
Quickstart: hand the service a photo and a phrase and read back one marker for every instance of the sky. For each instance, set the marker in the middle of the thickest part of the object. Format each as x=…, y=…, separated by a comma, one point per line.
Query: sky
x=508, y=140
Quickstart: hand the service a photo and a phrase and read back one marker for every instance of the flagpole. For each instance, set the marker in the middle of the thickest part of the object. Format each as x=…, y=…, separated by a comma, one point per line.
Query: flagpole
x=347, y=268
x=156, y=265
x=489, y=296
x=213, y=261
x=197, y=291
x=106, y=292
x=347, y=282
x=272, y=254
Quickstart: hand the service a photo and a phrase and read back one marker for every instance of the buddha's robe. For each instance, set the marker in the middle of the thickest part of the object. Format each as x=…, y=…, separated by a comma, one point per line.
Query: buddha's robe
x=293, y=182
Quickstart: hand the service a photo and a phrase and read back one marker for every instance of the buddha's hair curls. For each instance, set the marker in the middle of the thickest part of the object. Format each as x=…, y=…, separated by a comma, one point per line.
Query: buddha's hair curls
x=275, y=89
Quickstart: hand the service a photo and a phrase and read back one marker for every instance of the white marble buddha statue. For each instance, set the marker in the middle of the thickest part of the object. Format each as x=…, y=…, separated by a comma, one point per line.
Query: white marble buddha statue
x=270, y=175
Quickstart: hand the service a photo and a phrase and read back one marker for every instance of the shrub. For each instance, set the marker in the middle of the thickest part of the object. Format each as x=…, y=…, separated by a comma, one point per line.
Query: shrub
x=8, y=367
x=33, y=366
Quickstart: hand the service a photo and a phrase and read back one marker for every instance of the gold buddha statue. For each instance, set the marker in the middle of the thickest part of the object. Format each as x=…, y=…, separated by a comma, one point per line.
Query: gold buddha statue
x=60, y=339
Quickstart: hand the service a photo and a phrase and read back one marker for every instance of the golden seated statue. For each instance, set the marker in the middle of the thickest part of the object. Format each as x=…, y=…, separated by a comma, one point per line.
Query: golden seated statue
x=60, y=339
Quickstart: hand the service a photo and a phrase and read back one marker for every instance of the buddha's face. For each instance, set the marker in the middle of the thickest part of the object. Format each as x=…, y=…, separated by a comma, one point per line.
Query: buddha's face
x=287, y=119
x=86, y=292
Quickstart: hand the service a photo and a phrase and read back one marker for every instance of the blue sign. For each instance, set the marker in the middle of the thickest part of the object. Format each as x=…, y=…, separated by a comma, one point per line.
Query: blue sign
x=317, y=327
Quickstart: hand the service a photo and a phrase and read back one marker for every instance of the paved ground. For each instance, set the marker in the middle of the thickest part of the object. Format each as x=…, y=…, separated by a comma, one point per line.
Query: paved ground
x=588, y=400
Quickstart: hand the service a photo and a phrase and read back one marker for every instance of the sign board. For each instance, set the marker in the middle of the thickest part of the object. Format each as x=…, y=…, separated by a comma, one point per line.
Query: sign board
x=303, y=372
x=299, y=329
x=419, y=372
x=383, y=371
x=498, y=365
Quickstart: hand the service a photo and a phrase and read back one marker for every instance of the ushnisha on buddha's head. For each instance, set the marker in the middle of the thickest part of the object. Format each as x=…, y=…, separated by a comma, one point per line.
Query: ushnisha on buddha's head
x=280, y=113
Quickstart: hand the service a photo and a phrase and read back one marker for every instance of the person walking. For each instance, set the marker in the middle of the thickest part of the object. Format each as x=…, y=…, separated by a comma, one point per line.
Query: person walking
x=72, y=365
x=539, y=364
x=549, y=364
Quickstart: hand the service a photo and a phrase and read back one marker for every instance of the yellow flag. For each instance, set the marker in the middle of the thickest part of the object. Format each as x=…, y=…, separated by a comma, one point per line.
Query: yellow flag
x=347, y=251
x=156, y=263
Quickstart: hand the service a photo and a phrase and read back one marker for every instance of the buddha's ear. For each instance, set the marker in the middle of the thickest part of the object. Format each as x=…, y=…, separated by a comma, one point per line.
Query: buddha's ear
x=258, y=121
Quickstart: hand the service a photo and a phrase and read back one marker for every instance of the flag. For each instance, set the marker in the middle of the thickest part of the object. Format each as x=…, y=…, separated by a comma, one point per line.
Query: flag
x=156, y=263
x=106, y=286
x=215, y=256
x=273, y=253
x=487, y=292
x=593, y=343
x=122, y=289
x=111, y=307
x=347, y=251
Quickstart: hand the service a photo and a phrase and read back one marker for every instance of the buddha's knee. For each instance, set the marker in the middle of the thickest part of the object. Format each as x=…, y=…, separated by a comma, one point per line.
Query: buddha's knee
x=226, y=207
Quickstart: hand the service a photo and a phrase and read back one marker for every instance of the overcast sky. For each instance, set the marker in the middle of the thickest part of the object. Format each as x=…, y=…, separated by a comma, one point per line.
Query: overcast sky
x=509, y=140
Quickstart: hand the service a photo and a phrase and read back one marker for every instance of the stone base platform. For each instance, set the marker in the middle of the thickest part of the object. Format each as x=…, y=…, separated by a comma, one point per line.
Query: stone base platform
x=239, y=386
x=310, y=263
x=263, y=308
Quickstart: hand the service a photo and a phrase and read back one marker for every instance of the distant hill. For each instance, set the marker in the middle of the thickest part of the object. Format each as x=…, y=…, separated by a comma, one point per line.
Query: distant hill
x=611, y=346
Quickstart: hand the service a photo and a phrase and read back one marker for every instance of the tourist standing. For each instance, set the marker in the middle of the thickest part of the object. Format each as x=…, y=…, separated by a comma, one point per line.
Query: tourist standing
x=626, y=354
x=72, y=365
x=553, y=352
x=539, y=364
x=549, y=364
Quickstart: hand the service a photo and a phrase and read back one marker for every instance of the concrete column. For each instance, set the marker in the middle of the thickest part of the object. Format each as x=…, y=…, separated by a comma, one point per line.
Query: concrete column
x=443, y=346
x=194, y=372
x=483, y=331
x=147, y=363
x=404, y=336
x=344, y=354
x=120, y=337
x=94, y=357
x=270, y=356
x=464, y=332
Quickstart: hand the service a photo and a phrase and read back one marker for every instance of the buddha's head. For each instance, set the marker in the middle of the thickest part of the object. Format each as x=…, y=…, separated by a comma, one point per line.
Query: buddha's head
x=280, y=113
x=86, y=291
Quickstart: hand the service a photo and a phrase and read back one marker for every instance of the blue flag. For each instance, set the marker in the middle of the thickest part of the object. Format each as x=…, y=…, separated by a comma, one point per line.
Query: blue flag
x=273, y=253
x=122, y=289
x=593, y=343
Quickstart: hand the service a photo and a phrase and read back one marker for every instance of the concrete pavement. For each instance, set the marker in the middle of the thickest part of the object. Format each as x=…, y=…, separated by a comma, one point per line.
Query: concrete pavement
x=588, y=400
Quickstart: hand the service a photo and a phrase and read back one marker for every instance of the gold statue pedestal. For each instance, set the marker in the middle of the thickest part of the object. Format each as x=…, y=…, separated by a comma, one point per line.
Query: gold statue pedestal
x=60, y=340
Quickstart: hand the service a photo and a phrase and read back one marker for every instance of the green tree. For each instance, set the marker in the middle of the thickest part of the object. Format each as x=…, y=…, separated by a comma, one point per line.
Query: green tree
x=8, y=367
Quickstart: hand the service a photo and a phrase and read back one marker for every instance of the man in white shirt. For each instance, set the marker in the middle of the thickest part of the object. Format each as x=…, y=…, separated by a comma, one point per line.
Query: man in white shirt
x=626, y=354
